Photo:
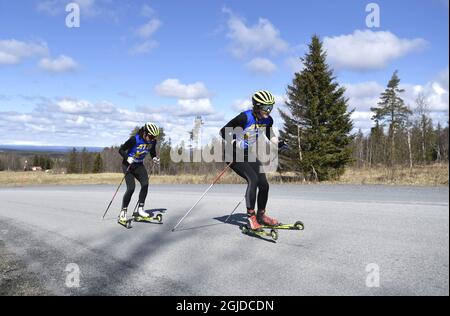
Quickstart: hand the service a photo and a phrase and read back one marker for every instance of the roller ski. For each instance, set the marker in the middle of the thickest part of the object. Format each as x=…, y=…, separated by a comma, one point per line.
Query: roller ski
x=267, y=222
x=297, y=226
x=142, y=216
x=272, y=233
x=124, y=221
x=256, y=229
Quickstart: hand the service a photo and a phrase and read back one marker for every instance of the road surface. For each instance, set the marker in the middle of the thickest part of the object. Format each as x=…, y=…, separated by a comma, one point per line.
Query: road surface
x=359, y=240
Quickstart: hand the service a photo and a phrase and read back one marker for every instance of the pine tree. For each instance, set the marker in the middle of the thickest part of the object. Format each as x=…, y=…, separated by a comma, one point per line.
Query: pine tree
x=318, y=124
x=392, y=111
x=98, y=164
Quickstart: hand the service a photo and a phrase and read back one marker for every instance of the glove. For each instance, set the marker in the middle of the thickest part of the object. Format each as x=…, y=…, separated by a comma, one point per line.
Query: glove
x=242, y=144
x=131, y=160
x=282, y=146
x=156, y=160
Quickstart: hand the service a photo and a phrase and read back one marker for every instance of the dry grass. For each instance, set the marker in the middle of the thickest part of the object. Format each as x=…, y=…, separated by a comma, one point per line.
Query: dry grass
x=14, y=179
x=434, y=175
x=431, y=175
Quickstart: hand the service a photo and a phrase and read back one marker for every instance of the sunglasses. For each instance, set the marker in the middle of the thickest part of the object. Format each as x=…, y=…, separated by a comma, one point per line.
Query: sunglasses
x=266, y=108
x=149, y=136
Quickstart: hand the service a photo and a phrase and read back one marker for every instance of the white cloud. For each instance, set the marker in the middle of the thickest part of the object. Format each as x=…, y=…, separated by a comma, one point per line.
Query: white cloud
x=143, y=48
x=61, y=64
x=367, y=50
x=261, y=66
x=70, y=106
x=362, y=120
x=13, y=51
x=241, y=105
x=362, y=96
x=147, y=30
x=74, y=122
x=436, y=95
x=194, y=107
x=172, y=88
x=262, y=37
x=294, y=64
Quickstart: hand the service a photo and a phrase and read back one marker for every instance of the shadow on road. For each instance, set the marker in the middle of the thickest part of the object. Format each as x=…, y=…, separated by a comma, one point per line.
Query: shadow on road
x=235, y=219
x=152, y=212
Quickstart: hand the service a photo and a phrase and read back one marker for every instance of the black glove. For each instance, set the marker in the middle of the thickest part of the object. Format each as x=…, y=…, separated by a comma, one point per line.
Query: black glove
x=282, y=146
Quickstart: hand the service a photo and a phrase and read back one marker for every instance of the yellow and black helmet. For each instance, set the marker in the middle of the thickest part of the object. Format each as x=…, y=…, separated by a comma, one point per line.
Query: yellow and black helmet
x=151, y=129
x=263, y=97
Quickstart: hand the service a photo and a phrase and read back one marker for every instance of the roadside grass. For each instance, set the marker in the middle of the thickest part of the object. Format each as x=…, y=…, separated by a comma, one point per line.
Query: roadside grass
x=430, y=175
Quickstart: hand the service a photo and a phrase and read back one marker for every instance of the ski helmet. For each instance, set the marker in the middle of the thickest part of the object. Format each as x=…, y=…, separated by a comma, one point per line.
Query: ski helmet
x=151, y=129
x=263, y=100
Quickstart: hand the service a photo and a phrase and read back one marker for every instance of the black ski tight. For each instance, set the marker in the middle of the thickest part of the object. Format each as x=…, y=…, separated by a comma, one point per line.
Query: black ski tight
x=140, y=173
x=256, y=180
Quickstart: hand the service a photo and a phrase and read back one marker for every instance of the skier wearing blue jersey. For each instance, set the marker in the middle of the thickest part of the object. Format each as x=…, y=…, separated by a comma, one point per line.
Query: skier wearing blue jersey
x=133, y=152
x=243, y=131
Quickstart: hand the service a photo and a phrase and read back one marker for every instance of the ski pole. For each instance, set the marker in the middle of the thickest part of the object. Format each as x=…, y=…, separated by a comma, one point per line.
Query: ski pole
x=109, y=205
x=203, y=195
x=234, y=209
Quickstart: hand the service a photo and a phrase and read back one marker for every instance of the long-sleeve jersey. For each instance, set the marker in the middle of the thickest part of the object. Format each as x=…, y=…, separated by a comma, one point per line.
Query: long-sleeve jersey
x=131, y=148
x=246, y=120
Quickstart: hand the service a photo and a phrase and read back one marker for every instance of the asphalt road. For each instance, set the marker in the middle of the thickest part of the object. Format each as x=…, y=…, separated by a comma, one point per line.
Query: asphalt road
x=359, y=240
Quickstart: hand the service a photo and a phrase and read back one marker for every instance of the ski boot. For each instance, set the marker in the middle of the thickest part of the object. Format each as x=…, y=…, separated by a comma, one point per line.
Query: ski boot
x=269, y=222
x=254, y=228
x=123, y=219
x=266, y=221
x=142, y=216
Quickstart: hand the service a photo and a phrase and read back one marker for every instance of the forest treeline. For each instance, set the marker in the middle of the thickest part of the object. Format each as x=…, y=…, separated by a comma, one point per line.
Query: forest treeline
x=317, y=127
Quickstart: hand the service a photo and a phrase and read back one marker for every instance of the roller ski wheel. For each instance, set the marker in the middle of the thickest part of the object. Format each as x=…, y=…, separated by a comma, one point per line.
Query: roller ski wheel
x=299, y=225
x=273, y=234
x=125, y=223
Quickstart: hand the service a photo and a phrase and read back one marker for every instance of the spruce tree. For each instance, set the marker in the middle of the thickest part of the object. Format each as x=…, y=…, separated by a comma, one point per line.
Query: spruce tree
x=393, y=112
x=85, y=161
x=98, y=164
x=164, y=148
x=318, y=124
x=377, y=141
x=36, y=162
x=73, y=166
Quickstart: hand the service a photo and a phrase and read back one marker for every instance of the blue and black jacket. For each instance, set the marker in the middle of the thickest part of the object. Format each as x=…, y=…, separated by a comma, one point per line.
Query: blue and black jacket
x=252, y=128
x=137, y=148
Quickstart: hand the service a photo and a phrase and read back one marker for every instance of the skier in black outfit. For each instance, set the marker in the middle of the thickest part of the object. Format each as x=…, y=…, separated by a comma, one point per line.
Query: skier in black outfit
x=252, y=124
x=134, y=152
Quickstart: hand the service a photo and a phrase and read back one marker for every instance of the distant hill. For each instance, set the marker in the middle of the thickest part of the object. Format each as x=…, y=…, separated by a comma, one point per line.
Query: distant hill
x=45, y=149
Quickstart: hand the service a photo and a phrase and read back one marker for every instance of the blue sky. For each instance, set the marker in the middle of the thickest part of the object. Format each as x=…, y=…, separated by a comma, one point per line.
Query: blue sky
x=167, y=61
